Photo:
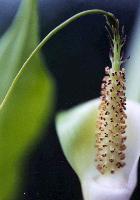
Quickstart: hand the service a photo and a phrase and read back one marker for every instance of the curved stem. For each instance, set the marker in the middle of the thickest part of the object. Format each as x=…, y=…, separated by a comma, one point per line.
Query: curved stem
x=109, y=16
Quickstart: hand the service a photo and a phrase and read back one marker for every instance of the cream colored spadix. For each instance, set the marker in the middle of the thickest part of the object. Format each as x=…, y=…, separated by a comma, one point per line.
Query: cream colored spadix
x=76, y=132
x=111, y=123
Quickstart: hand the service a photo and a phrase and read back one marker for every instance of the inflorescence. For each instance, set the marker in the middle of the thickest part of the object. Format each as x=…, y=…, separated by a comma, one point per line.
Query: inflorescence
x=111, y=123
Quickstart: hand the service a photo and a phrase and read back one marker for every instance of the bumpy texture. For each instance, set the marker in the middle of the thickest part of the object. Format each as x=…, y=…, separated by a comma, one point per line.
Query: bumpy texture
x=111, y=123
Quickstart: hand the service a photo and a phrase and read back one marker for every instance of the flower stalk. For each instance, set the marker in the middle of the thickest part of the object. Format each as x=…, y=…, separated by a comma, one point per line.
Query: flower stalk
x=111, y=122
x=100, y=138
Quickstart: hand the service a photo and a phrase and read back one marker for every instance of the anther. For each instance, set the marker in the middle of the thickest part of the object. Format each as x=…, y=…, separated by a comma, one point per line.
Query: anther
x=111, y=123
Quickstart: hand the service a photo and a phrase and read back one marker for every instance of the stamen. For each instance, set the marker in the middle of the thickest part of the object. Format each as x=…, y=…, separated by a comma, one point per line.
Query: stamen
x=111, y=123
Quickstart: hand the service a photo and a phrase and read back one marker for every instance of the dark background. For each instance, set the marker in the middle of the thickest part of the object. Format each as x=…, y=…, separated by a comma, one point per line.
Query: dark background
x=76, y=57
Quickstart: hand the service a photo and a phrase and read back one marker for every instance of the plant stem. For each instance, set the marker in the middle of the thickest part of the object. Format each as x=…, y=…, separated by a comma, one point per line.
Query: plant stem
x=110, y=19
x=109, y=16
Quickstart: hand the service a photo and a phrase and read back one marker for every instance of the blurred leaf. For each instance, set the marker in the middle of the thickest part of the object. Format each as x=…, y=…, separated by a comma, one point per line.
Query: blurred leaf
x=26, y=107
x=17, y=43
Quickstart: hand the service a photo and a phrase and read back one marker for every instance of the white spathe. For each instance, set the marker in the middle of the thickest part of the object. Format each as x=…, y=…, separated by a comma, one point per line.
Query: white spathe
x=111, y=187
x=76, y=132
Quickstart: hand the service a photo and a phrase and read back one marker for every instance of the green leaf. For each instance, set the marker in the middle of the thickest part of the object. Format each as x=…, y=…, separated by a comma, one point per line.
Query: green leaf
x=76, y=132
x=17, y=43
x=26, y=96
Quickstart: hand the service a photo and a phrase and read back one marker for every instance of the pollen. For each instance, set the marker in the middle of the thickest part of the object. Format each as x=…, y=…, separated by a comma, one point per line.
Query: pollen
x=111, y=122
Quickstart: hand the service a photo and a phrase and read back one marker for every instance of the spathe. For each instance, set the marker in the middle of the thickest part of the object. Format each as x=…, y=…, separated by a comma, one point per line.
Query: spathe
x=76, y=132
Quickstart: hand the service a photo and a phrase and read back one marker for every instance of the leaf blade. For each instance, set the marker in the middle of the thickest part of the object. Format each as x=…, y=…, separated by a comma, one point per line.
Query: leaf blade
x=15, y=46
x=26, y=95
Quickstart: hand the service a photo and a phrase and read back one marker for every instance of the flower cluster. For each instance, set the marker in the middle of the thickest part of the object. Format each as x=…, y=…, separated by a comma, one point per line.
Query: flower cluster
x=111, y=123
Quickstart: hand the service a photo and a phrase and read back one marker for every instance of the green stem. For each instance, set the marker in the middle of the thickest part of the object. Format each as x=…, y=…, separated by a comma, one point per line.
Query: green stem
x=117, y=53
x=118, y=42
x=108, y=15
x=116, y=60
x=112, y=21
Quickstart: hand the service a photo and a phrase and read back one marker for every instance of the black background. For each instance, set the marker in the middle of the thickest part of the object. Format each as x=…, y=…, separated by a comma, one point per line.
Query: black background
x=76, y=57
